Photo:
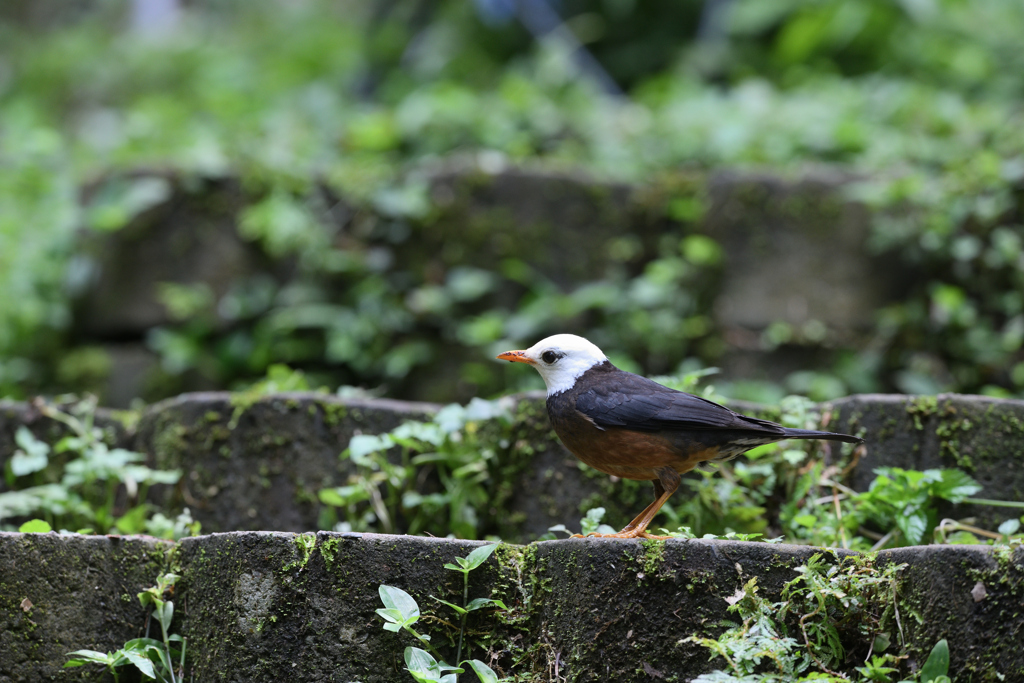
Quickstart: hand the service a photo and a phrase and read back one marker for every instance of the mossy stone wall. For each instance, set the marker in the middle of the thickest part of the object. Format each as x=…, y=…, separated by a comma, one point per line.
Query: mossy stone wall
x=271, y=606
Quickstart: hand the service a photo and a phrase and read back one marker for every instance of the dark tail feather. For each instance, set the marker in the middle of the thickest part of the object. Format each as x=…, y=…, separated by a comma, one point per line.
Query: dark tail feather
x=828, y=436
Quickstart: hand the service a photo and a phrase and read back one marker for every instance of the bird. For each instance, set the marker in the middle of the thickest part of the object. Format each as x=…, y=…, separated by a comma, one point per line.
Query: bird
x=631, y=427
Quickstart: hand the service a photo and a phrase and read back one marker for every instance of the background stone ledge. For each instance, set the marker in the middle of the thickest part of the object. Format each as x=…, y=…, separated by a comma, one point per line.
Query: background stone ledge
x=258, y=463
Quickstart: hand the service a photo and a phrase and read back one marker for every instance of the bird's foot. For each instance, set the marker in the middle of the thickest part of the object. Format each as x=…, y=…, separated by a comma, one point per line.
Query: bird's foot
x=625, y=533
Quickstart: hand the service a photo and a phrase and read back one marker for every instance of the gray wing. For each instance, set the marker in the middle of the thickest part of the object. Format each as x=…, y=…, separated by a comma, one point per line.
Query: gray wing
x=644, y=405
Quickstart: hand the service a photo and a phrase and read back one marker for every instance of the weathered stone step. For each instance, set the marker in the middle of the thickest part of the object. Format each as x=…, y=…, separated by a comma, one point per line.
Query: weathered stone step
x=257, y=464
x=60, y=593
x=266, y=606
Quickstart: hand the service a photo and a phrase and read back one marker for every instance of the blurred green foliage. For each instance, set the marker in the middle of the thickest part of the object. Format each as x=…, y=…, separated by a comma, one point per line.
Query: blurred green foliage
x=312, y=101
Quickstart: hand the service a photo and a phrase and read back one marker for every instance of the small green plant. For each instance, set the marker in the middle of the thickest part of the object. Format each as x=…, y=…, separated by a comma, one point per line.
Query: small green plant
x=589, y=524
x=81, y=483
x=904, y=502
x=156, y=660
x=401, y=611
x=386, y=493
x=899, y=508
x=953, y=531
x=837, y=621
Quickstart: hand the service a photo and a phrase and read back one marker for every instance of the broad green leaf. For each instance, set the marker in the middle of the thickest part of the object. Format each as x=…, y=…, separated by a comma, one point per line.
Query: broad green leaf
x=409, y=433
x=28, y=441
x=478, y=603
x=164, y=656
x=48, y=497
x=396, y=598
x=479, y=409
x=592, y=521
x=483, y=671
x=451, y=418
x=394, y=618
x=1009, y=527
x=83, y=657
x=165, y=614
x=455, y=607
x=133, y=521
x=422, y=665
x=141, y=662
x=955, y=485
x=805, y=520
x=479, y=556
x=937, y=664
x=343, y=495
x=428, y=458
x=38, y=526
x=913, y=524
x=32, y=455
x=362, y=445
x=140, y=644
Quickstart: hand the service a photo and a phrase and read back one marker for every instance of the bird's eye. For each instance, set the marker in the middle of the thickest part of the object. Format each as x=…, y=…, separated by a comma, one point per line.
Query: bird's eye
x=549, y=357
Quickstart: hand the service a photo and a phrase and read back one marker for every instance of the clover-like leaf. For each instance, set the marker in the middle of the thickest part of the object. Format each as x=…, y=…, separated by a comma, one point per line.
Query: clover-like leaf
x=398, y=599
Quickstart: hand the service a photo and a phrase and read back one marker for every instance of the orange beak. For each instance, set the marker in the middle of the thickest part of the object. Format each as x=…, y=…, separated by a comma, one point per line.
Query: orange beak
x=515, y=357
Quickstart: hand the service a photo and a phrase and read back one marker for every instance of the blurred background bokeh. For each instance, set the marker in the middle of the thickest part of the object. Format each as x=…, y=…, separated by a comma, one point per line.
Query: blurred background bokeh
x=816, y=196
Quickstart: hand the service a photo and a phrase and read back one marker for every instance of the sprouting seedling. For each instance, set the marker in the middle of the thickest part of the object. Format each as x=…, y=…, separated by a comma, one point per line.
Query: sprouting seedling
x=466, y=565
x=163, y=610
x=401, y=611
x=153, y=658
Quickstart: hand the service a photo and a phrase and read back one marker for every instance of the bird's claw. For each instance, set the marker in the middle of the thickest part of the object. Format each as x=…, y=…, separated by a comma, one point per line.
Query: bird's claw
x=632, y=533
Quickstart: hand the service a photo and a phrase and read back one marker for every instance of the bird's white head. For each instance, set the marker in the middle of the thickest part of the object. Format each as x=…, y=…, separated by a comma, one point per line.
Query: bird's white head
x=560, y=360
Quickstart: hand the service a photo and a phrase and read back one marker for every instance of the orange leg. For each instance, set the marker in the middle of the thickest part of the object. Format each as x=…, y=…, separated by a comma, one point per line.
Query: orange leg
x=664, y=486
